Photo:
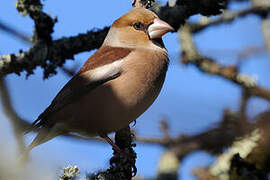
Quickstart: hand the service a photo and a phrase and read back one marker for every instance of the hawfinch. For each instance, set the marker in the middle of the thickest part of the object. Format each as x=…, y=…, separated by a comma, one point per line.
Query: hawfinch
x=115, y=85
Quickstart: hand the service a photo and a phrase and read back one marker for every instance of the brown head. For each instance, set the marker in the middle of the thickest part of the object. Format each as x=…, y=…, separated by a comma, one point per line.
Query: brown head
x=137, y=28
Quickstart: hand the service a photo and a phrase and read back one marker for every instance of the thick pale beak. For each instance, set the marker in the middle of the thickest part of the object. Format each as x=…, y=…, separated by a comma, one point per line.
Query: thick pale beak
x=158, y=29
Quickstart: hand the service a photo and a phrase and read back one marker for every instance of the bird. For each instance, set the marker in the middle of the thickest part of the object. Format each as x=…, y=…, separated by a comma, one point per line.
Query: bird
x=114, y=86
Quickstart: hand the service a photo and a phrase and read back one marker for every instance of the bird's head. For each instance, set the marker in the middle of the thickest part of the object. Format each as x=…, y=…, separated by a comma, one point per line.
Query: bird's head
x=138, y=28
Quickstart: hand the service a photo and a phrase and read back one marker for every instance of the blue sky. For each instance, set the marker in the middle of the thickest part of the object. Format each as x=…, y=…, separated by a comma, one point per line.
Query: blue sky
x=192, y=101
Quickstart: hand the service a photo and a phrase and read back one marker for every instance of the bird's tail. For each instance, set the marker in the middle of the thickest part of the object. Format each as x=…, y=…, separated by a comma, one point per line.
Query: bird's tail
x=45, y=134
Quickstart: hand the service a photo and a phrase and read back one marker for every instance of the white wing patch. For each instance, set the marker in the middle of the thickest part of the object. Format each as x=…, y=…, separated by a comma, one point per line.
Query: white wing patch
x=105, y=71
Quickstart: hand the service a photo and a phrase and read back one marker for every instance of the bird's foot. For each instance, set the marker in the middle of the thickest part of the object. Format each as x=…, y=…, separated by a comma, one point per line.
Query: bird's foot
x=119, y=153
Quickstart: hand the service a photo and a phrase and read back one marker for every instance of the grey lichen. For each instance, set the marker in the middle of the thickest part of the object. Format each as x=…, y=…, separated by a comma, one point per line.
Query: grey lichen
x=246, y=80
x=70, y=173
x=24, y=7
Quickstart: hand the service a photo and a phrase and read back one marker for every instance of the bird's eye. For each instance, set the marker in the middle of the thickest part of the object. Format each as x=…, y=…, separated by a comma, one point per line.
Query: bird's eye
x=138, y=26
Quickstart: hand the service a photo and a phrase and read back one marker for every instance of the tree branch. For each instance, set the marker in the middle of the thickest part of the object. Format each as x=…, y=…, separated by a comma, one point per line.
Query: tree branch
x=253, y=148
x=190, y=55
x=50, y=54
x=57, y=53
x=143, y=3
x=183, y=9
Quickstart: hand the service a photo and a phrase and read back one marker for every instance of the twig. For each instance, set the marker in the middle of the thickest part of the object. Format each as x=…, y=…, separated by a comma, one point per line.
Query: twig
x=249, y=51
x=14, y=32
x=227, y=17
x=70, y=72
x=165, y=128
x=266, y=32
x=183, y=9
x=17, y=123
x=243, y=105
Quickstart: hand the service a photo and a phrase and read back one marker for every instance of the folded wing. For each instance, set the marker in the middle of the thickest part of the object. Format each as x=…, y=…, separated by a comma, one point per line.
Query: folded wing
x=104, y=65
